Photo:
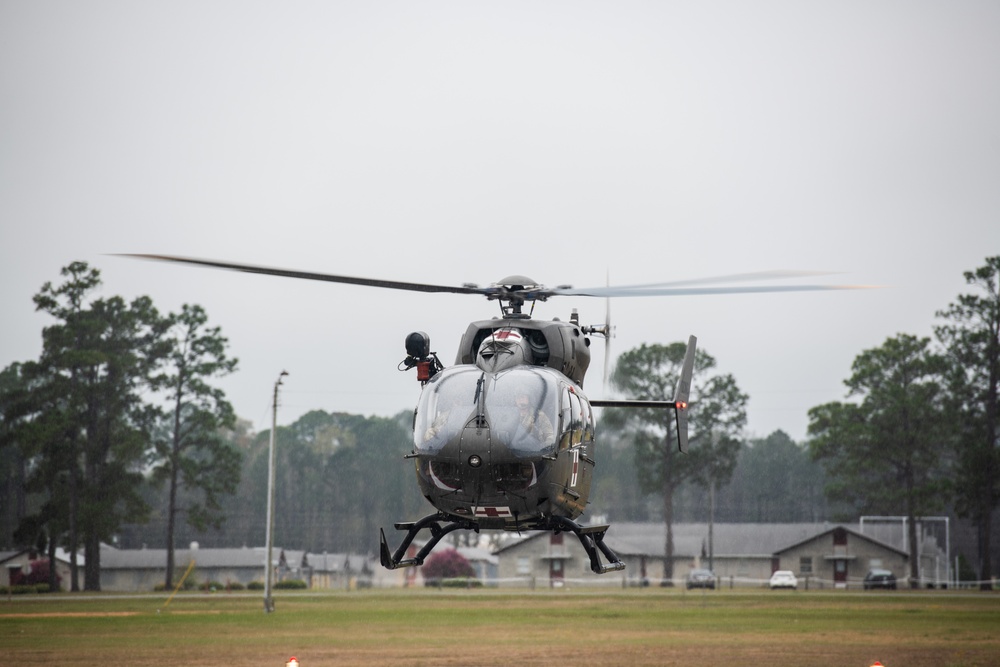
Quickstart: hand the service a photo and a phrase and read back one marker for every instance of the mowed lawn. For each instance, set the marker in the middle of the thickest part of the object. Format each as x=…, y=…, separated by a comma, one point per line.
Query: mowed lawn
x=554, y=628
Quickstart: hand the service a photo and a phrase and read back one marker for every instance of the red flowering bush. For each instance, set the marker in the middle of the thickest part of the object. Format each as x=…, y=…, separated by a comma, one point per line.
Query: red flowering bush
x=39, y=574
x=447, y=564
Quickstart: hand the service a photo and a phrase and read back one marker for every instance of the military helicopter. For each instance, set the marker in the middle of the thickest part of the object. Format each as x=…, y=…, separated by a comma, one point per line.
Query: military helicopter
x=505, y=438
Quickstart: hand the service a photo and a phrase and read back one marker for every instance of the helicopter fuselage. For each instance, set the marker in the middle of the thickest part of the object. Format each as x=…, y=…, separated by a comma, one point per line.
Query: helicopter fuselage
x=505, y=449
x=505, y=438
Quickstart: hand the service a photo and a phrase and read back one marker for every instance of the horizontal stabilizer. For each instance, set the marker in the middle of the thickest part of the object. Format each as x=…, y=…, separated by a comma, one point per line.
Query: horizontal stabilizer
x=626, y=403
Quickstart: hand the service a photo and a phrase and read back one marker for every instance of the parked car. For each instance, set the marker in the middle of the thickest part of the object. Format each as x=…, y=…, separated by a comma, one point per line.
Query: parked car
x=784, y=579
x=880, y=579
x=700, y=578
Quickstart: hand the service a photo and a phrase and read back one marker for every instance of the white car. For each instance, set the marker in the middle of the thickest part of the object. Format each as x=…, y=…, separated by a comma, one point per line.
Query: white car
x=784, y=579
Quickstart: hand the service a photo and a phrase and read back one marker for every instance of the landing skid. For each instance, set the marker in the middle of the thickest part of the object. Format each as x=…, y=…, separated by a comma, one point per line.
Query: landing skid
x=434, y=523
x=440, y=524
x=592, y=539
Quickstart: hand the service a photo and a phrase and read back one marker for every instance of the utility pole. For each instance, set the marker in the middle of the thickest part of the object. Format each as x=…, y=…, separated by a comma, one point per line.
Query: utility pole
x=711, y=525
x=269, y=564
x=711, y=509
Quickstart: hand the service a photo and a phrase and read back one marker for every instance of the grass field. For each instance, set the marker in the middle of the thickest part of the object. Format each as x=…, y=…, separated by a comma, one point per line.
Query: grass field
x=574, y=628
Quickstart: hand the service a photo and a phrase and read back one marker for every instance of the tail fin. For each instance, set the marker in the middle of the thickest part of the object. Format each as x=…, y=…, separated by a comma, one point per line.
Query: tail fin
x=680, y=403
x=682, y=392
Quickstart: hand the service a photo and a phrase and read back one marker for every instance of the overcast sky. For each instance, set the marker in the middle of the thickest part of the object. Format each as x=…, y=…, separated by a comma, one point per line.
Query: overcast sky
x=454, y=142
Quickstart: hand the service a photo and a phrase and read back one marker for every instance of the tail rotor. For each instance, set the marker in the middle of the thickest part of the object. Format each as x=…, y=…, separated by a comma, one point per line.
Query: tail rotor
x=607, y=331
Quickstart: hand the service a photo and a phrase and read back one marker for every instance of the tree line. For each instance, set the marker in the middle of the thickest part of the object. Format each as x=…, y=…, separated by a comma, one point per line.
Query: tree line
x=921, y=431
x=338, y=478
x=115, y=434
x=119, y=398
x=917, y=435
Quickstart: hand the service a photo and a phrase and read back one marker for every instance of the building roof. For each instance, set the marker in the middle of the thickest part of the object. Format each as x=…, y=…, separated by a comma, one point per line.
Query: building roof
x=245, y=557
x=856, y=534
x=131, y=559
x=477, y=554
x=61, y=555
x=338, y=562
x=729, y=540
x=691, y=539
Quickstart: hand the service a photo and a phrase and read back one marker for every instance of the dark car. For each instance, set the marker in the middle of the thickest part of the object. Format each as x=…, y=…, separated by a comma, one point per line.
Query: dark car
x=700, y=579
x=880, y=579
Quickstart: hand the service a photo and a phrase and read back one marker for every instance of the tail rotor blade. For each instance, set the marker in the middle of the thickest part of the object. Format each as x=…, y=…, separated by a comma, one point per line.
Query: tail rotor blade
x=682, y=393
x=608, y=333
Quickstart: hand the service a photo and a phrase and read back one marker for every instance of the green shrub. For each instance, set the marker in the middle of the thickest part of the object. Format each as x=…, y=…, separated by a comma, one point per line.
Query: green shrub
x=461, y=582
x=255, y=586
x=189, y=584
x=234, y=586
x=291, y=584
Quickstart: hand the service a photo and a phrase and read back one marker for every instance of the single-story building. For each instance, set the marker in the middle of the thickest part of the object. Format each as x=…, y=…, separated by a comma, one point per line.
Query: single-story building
x=20, y=561
x=144, y=569
x=841, y=556
x=739, y=554
x=338, y=570
x=483, y=562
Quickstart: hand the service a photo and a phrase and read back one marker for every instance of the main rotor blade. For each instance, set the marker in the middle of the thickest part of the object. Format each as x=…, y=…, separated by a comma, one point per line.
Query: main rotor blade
x=734, y=278
x=695, y=291
x=533, y=293
x=308, y=275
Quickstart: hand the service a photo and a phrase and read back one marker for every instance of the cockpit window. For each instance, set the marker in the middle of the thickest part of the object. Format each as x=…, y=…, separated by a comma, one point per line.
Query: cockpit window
x=521, y=408
x=518, y=405
x=447, y=403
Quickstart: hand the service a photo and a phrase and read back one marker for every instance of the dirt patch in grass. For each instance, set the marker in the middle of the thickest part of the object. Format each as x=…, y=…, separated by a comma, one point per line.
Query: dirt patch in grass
x=71, y=614
x=582, y=629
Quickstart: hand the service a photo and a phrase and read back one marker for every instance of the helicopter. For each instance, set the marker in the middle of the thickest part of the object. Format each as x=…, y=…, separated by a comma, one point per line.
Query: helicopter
x=505, y=438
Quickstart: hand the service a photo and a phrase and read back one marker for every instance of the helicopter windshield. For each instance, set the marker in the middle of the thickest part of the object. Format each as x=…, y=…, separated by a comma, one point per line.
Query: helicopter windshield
x=520, y=407
x=446, y=405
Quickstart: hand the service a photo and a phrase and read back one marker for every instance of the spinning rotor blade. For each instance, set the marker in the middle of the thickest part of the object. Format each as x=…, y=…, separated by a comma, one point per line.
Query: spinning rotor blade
x=521, y=289
x=658, y=290
x=683, y=287
x=732, y=278
x=307, y=275
x=608, y=333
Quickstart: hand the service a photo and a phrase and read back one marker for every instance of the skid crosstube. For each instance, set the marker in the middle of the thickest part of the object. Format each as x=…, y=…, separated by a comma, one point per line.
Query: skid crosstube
x=440, y=524
x=391, y=561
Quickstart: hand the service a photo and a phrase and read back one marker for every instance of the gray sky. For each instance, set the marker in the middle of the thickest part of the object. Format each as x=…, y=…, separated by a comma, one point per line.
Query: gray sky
x=452, y=142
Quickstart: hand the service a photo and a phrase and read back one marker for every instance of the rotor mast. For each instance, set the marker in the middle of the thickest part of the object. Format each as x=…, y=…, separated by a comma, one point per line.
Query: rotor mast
x=512, y=292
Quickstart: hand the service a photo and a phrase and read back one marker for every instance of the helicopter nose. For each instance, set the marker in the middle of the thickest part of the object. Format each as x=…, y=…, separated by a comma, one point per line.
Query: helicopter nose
x=475, y=448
